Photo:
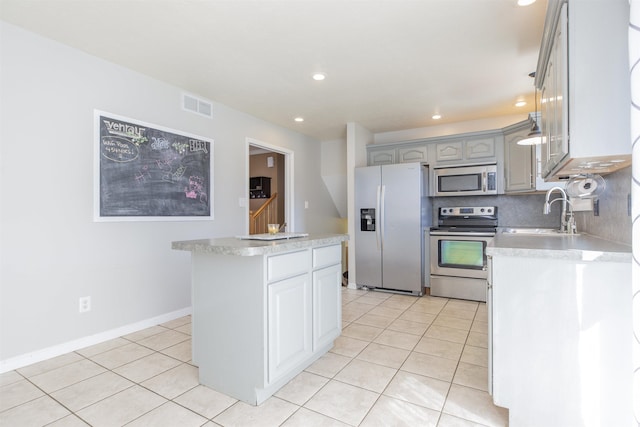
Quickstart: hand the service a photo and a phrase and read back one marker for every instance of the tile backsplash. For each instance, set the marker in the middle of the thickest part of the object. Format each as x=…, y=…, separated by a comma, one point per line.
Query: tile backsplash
x=513, y=211
x=525, y=210
x=614, y=221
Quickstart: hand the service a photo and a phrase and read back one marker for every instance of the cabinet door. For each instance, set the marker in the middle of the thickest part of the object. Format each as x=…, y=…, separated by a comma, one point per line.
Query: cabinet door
x=547, y=116
x=555, y=141
x=559, y=146
x=480, y=149
x=327, y=307
x=490, y=324
x=446, y=151
x=382, y=157
x=289, y=328
x=518, y=163
x=412, y=154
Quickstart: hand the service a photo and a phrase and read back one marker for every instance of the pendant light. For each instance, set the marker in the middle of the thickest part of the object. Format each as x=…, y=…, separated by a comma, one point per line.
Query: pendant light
x=534, y=137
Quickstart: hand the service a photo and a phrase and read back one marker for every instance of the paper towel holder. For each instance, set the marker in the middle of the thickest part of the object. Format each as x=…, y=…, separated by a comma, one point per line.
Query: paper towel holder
x=586, y=186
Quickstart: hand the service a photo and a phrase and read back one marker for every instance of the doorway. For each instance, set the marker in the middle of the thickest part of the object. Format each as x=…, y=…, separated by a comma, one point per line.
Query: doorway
x=269, y=185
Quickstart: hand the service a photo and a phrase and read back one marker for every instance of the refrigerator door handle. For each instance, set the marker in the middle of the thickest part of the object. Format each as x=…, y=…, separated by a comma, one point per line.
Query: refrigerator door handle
x=377, y=218
x=381, y=226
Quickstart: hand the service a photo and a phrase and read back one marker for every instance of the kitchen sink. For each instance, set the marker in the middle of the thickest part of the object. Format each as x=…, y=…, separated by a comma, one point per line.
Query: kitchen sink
x=524, y=231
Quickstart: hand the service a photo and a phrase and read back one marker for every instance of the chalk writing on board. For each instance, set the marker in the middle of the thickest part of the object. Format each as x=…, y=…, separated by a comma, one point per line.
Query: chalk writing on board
x=148, y=171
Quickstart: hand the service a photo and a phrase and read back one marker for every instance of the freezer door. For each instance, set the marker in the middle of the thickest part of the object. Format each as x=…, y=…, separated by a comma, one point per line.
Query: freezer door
x=367, y=243
x=401, y=227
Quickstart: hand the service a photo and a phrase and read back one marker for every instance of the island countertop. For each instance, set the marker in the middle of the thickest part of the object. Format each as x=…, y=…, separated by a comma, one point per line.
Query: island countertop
x=583, y=247
x=245, y=247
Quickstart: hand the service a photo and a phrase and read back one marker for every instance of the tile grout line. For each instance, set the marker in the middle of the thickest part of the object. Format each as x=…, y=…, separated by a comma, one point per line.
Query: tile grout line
x=351, y=358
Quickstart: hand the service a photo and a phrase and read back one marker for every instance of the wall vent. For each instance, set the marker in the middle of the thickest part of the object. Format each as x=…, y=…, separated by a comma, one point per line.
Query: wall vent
x=197, y=105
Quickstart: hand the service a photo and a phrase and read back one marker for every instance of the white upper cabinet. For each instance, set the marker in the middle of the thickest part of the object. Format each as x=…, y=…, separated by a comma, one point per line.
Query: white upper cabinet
x=583, y=76
x=518, y=161
x=401, y=153
x=470, y=150
x=522, y=162
x=555, y=141
x=381, y=156
x=413, y=154
x=449, y=151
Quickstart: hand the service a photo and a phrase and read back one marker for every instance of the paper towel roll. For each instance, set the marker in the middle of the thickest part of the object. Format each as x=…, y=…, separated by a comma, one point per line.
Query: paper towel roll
x=587, y=187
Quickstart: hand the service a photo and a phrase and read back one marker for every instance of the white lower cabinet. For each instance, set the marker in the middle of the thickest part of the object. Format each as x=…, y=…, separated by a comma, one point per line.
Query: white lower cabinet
x=289, y=330
x=305, y=311
x=560, y=340
x=327, y=307
x=260, y=320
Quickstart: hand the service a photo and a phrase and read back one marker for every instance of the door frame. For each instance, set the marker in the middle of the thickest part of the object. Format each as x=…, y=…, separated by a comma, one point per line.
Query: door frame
x=289, y=216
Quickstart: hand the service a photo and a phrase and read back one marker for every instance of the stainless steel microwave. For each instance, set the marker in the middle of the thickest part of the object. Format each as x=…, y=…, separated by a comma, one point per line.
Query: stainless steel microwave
x=466, y=181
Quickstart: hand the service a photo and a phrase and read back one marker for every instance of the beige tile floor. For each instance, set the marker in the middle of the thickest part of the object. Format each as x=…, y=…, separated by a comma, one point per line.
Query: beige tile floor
x=401, y=361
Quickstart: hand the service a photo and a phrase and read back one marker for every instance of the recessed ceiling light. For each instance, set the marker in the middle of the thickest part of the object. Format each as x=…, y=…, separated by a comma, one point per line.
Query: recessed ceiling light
x=299, y=119
x=319, y=76
x=525, y=2
x=436, y=117
x=521, y=103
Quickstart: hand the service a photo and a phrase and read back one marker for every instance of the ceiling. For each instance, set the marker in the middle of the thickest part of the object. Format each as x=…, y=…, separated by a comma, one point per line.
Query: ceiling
x=389, y=64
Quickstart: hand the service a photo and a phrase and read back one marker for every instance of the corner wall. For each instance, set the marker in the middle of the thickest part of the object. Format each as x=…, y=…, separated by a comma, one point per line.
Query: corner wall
x=51, y=250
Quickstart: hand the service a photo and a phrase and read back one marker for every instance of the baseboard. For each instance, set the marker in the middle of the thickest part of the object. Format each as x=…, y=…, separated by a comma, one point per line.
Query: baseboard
x=60, y=349
x=352, y=285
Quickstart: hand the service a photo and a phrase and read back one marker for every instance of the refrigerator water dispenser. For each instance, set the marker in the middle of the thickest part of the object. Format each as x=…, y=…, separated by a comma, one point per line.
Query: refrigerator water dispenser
x=368, y=219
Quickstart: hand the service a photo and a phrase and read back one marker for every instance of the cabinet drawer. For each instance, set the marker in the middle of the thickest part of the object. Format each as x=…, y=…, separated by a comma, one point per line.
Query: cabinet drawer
x=327, y=255
x=287, y=265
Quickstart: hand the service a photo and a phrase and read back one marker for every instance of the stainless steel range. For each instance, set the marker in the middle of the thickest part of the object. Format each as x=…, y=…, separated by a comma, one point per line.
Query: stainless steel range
x=458, y=256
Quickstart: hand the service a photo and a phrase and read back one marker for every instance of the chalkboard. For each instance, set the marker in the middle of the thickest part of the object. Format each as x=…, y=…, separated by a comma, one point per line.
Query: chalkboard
x=149, y=172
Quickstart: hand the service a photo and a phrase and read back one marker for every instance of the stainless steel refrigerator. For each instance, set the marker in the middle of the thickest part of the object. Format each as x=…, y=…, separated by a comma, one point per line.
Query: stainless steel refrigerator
x=392, y=214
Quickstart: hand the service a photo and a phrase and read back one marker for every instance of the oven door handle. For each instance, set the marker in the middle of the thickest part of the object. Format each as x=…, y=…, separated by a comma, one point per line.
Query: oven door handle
x=462, y=233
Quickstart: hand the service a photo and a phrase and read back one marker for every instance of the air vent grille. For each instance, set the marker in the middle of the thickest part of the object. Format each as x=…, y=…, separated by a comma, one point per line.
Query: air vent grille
x=197, y=105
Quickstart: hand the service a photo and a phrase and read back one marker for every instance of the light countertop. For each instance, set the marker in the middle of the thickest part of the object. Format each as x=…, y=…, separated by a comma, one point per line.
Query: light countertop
x=581, y=247
x=242, y=247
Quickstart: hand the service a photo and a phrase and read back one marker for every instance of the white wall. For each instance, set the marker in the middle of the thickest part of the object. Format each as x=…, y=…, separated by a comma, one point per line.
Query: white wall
x=51, y=250
x=334, y=172
x=357, y=139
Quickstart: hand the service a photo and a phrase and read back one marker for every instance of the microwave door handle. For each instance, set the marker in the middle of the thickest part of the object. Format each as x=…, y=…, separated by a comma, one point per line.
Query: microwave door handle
x=484, y=182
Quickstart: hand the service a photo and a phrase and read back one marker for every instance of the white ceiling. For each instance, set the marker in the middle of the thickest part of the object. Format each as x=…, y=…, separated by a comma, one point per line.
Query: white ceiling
x=390, y=64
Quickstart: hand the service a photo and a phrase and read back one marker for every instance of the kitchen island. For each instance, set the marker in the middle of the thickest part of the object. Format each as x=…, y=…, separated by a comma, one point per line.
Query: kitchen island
x=560, y=329
x=262, y=310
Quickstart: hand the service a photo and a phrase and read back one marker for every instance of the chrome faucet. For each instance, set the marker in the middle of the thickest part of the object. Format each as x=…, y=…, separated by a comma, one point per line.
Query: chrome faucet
x=567, y=225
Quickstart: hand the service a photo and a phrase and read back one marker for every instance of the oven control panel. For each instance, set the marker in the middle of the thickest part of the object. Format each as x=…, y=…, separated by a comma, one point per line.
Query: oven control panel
x=482, y=211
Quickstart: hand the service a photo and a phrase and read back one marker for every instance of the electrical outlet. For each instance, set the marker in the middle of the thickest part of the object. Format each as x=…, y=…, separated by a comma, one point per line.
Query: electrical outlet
x=84, y=304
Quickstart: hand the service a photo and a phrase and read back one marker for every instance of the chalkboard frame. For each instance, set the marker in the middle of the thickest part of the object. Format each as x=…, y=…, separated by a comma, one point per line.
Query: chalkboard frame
x=168, y=174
